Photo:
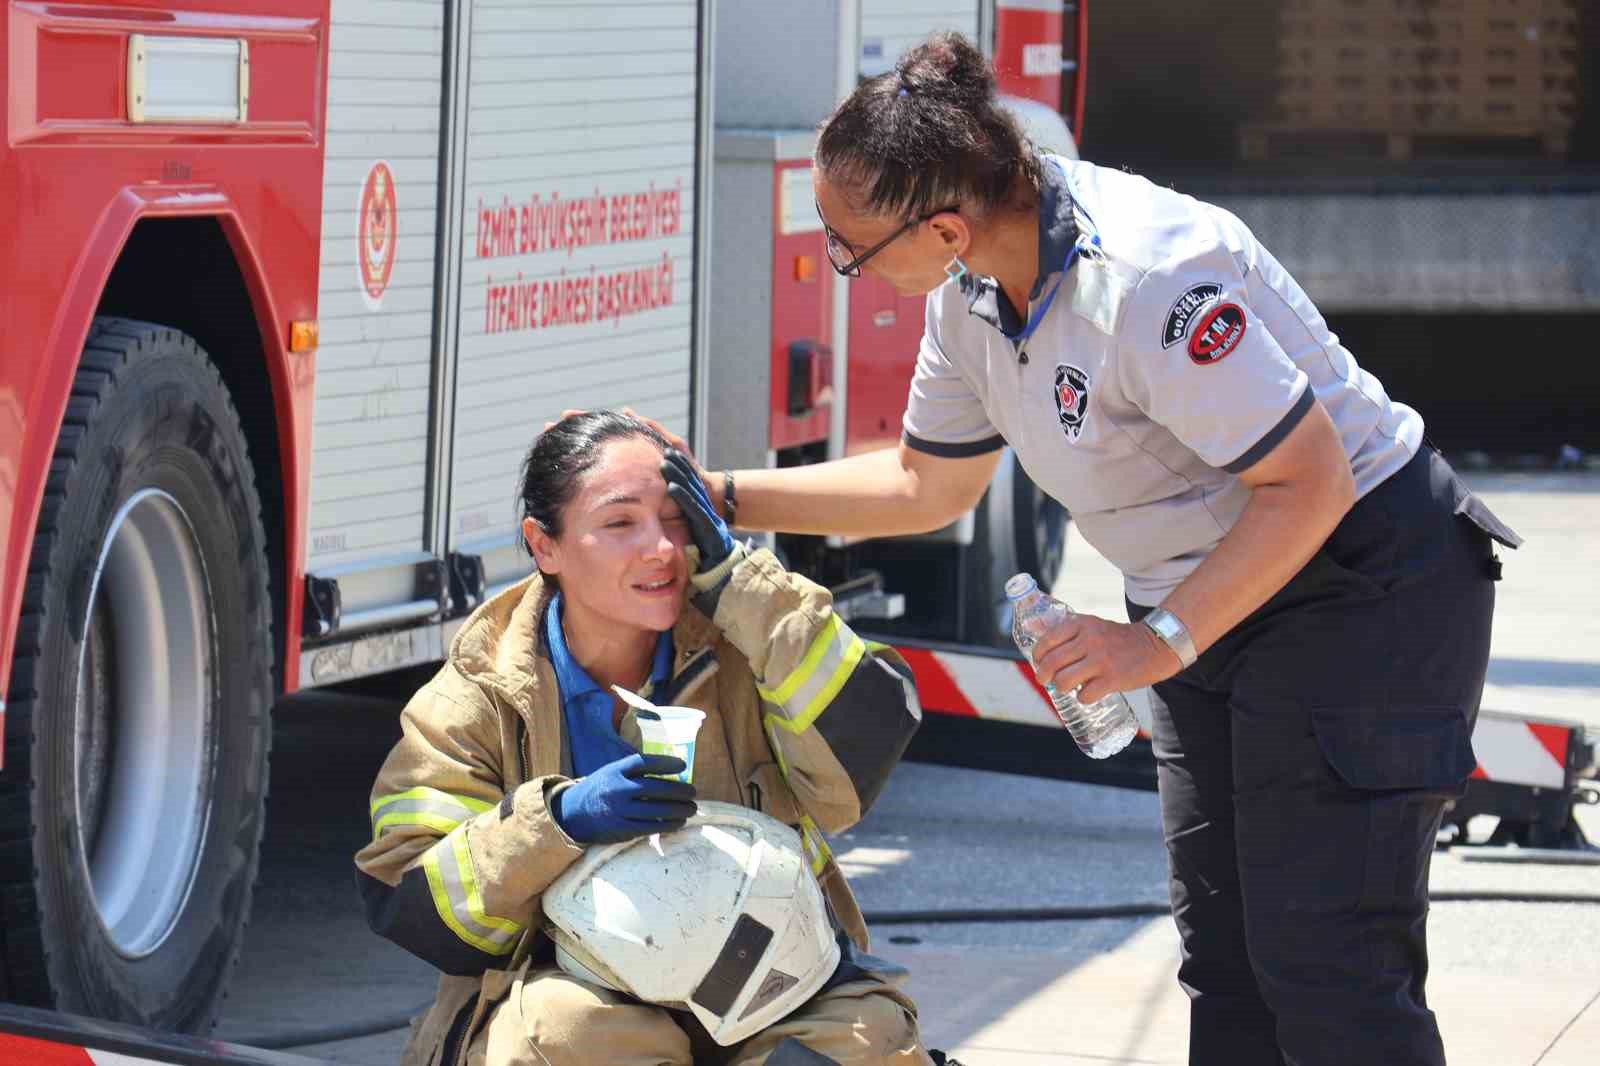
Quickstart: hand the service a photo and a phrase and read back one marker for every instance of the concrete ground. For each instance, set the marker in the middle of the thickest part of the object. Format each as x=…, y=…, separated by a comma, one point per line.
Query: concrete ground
x=1513, y=984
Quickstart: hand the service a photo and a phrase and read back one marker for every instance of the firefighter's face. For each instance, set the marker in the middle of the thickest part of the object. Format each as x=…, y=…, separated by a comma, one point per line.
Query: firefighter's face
x=620, y=553
x=914, y=258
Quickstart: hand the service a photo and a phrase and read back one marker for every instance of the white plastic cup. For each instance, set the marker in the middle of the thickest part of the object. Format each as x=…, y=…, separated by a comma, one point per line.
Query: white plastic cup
x=672, y=733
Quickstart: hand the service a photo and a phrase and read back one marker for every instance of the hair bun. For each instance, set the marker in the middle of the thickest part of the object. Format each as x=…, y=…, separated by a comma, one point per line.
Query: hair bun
x=927, y=134
x=947, y=65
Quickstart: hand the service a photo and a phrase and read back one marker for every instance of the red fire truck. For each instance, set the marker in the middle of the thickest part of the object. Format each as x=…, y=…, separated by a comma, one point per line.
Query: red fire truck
x=289, y=287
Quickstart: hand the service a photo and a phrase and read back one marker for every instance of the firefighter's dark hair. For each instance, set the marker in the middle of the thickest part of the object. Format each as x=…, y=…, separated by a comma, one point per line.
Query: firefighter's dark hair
x=930, y=133
x=562, y=454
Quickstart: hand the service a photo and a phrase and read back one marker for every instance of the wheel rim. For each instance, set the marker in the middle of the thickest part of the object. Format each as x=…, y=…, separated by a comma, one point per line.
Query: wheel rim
x=144, y=733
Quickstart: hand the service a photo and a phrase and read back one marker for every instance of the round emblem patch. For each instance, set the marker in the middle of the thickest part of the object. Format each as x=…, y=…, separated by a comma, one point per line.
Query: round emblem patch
x=375, y=233
x=1217, y=334
x=1072, y=399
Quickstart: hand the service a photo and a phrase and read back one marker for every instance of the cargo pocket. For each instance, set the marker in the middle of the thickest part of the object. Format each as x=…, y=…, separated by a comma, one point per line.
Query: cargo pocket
x=1469, y=508
x=1396, y=748
x=1402, y=827
x=1474, y=510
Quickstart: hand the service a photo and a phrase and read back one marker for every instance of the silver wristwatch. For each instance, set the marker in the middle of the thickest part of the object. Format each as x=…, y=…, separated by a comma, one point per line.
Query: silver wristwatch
x=1173, y=633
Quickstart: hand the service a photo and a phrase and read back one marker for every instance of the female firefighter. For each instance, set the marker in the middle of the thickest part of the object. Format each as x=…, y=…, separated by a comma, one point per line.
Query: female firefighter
x=515, y=757
x=1310, y=583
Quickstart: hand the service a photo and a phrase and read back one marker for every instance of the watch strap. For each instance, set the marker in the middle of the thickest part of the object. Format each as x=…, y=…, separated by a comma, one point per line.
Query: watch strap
x=1173, y=633
x=730, y=504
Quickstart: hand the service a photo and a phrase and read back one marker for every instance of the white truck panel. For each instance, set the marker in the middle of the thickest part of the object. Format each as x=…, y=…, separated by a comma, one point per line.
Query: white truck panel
x=608, y=117
x=370, y=423
x=572, y=109
x=889, y=27
x=498, y=176
x=353, y=328
x=349, y=533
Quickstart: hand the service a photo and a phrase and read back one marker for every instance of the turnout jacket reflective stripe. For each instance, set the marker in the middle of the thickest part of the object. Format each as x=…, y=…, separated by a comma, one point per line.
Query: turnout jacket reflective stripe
x=804, y=721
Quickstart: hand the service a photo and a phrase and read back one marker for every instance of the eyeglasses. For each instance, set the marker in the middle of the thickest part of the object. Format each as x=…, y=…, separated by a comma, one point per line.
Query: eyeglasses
x=839, y=249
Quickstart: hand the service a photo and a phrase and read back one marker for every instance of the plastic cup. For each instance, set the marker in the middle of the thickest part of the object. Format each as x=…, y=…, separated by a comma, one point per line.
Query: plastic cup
x=672, y=732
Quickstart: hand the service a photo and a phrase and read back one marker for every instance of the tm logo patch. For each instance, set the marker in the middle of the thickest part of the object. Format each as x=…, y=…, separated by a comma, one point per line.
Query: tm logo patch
x=1072, y=399
x=1183, y=312
x=1217, y=334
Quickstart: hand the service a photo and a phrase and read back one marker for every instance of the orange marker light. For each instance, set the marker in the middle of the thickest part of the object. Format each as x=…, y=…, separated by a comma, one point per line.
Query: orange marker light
x=805, y=268
x=303, y=336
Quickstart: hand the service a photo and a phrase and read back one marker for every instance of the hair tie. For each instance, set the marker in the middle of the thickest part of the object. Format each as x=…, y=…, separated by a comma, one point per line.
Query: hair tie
x=904, y=91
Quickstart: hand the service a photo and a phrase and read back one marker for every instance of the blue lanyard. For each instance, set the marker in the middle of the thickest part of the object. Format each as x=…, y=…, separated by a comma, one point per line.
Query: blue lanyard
x=1038, y=316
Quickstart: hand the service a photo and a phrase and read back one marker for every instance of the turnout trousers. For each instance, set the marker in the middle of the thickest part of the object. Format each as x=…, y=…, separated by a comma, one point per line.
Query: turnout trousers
x=554, y=1019
x=1304, y=762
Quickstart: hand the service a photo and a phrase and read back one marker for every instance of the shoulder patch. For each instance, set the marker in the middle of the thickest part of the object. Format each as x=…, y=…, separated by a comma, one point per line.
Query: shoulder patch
x=1184, y=310
x=1072, y=399
x=1218, y=334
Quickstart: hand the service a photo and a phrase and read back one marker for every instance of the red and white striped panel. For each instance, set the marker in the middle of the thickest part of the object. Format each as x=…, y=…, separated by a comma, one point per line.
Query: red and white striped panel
x=28, y=1051
x=986, y=686
x=1510, y=749
x=1518, y=751
x=35, y=1051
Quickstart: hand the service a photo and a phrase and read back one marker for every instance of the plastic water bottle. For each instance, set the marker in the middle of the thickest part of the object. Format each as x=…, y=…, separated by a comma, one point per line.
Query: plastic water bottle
x=1102, y=728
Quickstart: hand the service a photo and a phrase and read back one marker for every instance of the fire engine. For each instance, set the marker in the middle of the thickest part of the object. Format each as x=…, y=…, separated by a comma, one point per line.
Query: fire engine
x=289, y=286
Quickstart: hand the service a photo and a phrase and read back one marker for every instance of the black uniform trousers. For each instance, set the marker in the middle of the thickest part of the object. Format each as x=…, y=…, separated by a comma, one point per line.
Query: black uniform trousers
x=1304, y=762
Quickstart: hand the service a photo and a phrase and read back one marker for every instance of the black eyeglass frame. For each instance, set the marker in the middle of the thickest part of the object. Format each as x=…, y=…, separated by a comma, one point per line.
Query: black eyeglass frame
x=852, y=269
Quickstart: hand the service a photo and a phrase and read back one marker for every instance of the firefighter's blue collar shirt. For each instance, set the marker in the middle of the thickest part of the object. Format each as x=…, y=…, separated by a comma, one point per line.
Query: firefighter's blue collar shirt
x=585, y=706
x=1169, y=352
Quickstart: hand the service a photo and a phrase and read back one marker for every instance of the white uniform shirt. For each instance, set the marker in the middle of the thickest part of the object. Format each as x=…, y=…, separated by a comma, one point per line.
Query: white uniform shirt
x=1175, y=353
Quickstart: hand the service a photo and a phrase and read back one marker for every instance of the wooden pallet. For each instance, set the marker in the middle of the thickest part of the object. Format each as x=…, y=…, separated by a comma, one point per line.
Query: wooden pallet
x=1271, y=140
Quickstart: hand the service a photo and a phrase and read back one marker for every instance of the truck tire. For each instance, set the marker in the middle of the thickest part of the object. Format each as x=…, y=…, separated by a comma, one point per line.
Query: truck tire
x=132, y=797
x=1019, y=530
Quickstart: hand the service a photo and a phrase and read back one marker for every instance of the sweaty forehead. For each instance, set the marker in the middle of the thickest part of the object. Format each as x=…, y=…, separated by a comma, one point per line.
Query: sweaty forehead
x=628, y=470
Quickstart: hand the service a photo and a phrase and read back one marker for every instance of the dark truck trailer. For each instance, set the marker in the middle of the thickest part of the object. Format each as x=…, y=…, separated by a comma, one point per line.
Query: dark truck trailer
x=1430, y=172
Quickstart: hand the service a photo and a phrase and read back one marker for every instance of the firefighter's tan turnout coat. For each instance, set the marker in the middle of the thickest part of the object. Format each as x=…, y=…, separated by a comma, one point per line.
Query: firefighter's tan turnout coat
x=804, y=721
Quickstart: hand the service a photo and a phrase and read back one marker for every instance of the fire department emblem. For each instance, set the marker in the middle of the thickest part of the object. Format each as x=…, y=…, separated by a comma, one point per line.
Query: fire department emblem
x=1217, y=335
x=375, y=233
x=1072, y=399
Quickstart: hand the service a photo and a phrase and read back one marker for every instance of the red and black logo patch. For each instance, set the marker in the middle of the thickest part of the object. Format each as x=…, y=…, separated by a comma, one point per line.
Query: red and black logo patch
x=1217, y=334
x=1072, y=399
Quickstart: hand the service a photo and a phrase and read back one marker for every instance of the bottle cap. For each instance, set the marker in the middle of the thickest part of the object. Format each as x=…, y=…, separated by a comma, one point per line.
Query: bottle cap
x=1019, y=585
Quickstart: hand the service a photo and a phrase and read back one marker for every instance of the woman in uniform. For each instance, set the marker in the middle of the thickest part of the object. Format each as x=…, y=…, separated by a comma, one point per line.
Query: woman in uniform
x=516, y=757
x=1310, y=584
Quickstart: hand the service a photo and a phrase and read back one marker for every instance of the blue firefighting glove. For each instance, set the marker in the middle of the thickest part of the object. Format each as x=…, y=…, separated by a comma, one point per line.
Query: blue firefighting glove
x=714, y=544
x=619, y=801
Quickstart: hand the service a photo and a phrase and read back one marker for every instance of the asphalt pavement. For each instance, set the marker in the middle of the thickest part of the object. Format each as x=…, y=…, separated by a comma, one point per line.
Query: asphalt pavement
x=1514, y=984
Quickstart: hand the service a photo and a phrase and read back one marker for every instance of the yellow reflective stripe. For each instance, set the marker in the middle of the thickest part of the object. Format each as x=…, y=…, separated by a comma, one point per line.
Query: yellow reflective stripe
x=442, y=904
x=876, y=646
x=819, y=703
x=428, y=807
x=816, y=847
x=475, y=898
x=438, y=823
x=456, y=899
x=823, y=671
x=772, y=721
x=808, y=664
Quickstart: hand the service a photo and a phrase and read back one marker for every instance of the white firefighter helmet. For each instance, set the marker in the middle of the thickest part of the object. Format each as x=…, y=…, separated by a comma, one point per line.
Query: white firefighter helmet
x=722, y=918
